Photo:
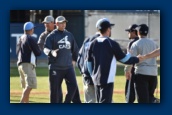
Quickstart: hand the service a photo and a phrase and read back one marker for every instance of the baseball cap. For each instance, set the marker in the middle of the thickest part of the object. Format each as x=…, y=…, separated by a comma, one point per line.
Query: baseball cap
x=143, y=29
x=28, y=26
x=61, y=19
x=131, y=27
x=48, y=19
x=103, y=23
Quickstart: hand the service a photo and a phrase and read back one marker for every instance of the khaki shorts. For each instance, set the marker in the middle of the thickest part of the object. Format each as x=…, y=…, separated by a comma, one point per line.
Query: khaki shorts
x=27, y=75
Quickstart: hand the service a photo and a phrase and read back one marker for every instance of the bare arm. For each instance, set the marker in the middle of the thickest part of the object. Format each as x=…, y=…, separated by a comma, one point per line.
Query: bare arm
x=152, y=54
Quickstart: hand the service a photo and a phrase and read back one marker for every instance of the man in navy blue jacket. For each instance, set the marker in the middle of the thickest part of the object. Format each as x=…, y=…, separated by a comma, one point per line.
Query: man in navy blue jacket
x=102, y=56
x=27, y=50
x=61, y=49
x=49, y=27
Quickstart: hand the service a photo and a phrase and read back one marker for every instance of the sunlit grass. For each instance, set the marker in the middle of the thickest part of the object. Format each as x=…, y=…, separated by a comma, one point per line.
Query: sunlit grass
x=41, y=94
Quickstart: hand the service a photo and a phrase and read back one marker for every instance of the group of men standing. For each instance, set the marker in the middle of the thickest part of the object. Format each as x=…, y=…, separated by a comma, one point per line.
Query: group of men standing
x=96, y=61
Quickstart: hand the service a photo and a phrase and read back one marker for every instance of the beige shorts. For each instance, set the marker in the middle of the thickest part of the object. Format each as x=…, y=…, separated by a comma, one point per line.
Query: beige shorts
x=27, y=75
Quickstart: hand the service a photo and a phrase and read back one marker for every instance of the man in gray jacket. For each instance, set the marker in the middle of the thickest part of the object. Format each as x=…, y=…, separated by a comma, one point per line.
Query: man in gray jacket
x=61, y=49
x=145, y=71
x=49, y=27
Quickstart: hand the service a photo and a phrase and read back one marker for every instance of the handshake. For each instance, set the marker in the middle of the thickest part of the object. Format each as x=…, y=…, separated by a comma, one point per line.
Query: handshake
x=54, y=52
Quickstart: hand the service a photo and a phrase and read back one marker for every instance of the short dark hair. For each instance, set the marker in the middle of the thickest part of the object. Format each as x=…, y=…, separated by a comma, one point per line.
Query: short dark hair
x=103, y=30
x=104, y=26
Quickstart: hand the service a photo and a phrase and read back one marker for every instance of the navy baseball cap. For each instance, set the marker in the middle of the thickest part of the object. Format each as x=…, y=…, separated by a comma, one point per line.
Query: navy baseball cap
x=143, y=29
x=28, y=26
x=103, y=23
x=131, y=27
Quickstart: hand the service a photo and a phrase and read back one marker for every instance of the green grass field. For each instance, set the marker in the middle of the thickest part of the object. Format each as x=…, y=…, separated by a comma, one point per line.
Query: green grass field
x=41, y=94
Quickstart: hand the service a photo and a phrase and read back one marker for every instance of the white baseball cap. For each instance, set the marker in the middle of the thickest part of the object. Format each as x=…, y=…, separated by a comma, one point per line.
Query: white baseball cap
x=61, y=19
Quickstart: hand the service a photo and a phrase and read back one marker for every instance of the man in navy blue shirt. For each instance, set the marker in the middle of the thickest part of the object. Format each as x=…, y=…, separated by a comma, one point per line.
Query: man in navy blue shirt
x=49, y=27
x=102, y=56
x=27, y=50
x=62, y=50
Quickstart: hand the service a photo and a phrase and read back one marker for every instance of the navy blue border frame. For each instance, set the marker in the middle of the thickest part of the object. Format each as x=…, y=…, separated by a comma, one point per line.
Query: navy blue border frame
x=166, y=22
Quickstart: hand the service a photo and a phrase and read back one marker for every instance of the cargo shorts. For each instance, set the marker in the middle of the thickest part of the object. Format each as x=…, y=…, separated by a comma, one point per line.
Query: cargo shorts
x=27, y=75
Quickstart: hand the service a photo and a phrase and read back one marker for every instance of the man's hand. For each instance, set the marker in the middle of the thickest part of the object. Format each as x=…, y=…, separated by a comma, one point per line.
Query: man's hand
x=128, y=75
x=141, y=57
x=54, y=52
x=130, y=51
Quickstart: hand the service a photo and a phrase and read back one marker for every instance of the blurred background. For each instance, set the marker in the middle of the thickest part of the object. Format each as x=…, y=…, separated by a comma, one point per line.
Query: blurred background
x=82, y=24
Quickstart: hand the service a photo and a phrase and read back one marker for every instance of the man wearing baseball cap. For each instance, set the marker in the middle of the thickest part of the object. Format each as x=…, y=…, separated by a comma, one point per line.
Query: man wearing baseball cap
x=88, y=86
x=145, y=71
x=102, y=56
x=61, y=19
x=27, y=51
x=129, y=86
x=49, y=27
x=61, y=48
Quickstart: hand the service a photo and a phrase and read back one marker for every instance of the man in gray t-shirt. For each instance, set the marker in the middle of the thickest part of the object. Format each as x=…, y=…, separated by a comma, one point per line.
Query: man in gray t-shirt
x=146, y=71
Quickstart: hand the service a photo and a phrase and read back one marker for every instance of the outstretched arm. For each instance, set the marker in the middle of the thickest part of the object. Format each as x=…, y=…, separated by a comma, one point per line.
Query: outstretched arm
x=152, y=54
x=121, y=56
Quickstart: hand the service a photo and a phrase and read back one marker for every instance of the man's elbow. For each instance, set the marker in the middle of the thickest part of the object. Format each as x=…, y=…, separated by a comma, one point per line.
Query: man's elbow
x=47, y=51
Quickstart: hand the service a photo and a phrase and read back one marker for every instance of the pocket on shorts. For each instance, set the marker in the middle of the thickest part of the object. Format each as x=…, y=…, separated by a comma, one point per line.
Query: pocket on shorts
x=31, y=82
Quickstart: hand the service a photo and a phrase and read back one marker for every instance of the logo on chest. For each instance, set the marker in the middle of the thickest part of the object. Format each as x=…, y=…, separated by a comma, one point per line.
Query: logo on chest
x=64, y=43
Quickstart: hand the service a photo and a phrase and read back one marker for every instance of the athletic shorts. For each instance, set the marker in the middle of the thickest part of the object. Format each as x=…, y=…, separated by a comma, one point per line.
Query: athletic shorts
x=27, y=75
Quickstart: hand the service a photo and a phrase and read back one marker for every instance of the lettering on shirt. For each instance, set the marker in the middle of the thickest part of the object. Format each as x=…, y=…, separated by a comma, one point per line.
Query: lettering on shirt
x=64, y=43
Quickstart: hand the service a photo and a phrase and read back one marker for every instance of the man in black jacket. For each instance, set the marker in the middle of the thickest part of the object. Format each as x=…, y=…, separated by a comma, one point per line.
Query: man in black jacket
x=27, y=50
x=130, y=87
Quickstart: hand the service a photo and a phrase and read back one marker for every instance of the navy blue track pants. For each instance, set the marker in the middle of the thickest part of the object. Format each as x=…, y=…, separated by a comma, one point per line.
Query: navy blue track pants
x=104, y=93
x=55, y=78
